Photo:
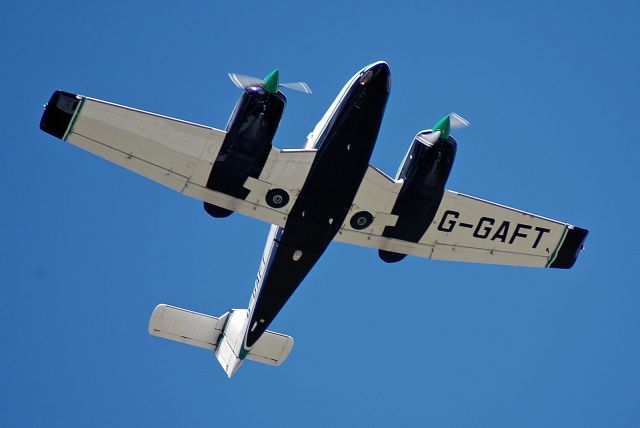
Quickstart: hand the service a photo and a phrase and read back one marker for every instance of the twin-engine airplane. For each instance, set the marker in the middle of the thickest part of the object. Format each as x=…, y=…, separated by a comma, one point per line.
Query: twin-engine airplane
x=325, y=191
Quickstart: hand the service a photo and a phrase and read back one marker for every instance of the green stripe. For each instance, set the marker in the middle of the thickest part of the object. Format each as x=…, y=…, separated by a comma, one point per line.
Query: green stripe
x=243, y=353
x=555, y=252
x=73, y=119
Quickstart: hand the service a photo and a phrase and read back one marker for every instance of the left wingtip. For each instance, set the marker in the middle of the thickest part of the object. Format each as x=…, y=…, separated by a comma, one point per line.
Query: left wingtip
x=571, y=248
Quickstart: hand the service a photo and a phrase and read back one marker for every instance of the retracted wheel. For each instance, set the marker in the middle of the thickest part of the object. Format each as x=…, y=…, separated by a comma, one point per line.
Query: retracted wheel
x=361, y=220
x=277, y=198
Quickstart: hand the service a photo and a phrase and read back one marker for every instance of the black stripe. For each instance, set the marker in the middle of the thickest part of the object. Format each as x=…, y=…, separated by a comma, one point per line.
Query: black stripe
x=326, y=196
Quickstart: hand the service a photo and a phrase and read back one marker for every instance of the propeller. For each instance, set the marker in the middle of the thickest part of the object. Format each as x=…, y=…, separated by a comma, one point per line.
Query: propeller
x=443, y=128
x=271, y=83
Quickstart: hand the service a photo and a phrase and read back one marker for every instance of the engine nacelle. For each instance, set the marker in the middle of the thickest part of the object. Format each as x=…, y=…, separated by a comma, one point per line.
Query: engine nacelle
x=247, y=145
x=425, y=172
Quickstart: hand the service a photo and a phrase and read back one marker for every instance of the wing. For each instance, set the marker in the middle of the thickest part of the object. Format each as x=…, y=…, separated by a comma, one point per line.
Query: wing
x=464, y=228
x=172, y=152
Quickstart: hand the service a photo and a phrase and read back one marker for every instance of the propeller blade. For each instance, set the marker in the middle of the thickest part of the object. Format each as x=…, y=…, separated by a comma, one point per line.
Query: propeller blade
x=458, y=121
x=430, y=138
x=297, y=86
x=242, y=81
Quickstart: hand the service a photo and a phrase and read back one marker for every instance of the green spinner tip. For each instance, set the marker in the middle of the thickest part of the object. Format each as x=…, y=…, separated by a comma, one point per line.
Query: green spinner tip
x=444, y=126
x=272, y=81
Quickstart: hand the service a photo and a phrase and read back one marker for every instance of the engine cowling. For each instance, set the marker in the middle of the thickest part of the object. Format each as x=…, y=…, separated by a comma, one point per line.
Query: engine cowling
x=425, y=171
x=247, y=145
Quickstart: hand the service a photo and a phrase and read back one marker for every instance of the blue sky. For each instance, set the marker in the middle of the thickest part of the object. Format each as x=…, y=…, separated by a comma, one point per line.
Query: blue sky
x=552, y=91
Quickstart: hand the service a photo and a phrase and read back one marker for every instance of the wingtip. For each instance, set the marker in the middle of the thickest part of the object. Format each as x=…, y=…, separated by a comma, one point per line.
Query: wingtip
x=571, y=247
x=58, y=113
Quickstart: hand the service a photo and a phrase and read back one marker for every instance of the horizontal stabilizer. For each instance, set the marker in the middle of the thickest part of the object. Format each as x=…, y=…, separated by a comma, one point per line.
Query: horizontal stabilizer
x=186, y=326
x=272, y=348
x=203, y=331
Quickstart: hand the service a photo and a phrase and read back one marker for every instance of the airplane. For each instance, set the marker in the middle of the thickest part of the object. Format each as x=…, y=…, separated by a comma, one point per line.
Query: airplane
x=326, y=191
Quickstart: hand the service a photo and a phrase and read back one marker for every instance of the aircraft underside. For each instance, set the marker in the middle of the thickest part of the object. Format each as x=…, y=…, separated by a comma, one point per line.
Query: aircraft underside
x=311, y=196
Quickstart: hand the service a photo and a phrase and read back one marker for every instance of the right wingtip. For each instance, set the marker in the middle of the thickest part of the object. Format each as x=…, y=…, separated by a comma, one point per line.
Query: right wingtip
x=58, y=113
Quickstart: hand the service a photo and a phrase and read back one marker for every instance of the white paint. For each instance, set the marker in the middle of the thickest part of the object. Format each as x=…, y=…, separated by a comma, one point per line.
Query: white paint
x=180, y=154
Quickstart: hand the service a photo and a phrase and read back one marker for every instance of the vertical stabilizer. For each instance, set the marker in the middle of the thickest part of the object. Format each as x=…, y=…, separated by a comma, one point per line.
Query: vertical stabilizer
x=230, y=351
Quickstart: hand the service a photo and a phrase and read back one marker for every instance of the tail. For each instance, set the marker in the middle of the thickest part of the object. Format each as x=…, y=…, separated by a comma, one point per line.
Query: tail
x=223, y=335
